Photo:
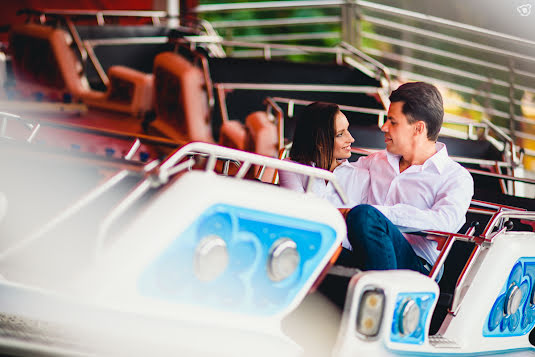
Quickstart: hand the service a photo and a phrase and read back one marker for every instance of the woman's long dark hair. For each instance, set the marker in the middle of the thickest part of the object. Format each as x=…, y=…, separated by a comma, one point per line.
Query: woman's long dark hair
x=314, y=135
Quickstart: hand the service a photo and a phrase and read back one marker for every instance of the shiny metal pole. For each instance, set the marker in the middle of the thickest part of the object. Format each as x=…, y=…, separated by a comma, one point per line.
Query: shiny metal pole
x=173, y=11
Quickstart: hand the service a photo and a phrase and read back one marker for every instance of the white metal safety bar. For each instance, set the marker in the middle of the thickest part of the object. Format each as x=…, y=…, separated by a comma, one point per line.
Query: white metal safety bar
x=215, y=152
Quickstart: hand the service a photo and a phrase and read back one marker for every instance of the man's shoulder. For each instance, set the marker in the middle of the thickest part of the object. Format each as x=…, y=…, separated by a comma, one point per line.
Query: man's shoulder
x=454, y=170
x=378, y=155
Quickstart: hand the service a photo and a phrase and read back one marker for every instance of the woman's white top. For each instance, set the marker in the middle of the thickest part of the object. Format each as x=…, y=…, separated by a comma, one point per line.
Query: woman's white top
x=353, y=180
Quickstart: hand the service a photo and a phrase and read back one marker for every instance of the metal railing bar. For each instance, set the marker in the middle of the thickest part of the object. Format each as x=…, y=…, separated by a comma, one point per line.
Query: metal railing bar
x=449, y=85
x=277, y=22
x=248, y=159
x=261, y=53
x=360, y=66
x=133, y=149
x=433, y=274
x=467, y=160
x=127, y=202
x=115, y=134
x=271, y=104
x=439, y=52
x=498, y=218
x=378, y=65
x=300, y=87
x=447, y=23
x=457, y=119
x=96, y=63
x=34, y=132
x=438, y=67
x=342, y=107
x=289, y=37
x=462, y=282
x=267, y=5
x=467, y=105
x=498, y=130
x=446, y=38
x=460, y=88
x=65, y=214
x=305, y=48
x=460, y=159
x=111, y=13
x=127, y=41
x=502, y=176
x=524, y=135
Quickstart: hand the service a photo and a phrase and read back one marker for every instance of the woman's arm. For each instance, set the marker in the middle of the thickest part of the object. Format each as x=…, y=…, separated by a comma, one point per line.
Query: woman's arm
x=291, y=180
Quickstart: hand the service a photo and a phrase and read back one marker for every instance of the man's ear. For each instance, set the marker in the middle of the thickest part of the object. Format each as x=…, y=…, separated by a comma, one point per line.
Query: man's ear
x=421, y=128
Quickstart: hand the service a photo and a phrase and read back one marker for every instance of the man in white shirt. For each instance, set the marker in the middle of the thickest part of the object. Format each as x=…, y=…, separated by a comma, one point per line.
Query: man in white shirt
x=413, y=183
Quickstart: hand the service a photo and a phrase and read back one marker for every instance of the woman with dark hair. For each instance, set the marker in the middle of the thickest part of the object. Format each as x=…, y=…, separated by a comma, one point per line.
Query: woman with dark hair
x=322, y=140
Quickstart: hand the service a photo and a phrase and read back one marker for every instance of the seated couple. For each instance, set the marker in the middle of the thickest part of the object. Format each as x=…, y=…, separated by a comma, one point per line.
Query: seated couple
x=413, y=183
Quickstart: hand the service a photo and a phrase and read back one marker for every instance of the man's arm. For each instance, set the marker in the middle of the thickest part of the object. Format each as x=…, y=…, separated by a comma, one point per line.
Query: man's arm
x=447, y=213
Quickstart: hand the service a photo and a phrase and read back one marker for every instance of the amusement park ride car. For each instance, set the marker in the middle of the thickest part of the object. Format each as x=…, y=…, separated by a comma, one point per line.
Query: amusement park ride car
x=129, y=231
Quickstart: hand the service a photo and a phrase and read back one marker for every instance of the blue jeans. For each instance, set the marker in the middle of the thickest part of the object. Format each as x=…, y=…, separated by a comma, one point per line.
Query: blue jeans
x=377, y=243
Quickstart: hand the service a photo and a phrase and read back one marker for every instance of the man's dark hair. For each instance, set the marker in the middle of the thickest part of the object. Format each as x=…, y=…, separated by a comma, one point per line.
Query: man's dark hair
x=313, y=140
x=421, y=101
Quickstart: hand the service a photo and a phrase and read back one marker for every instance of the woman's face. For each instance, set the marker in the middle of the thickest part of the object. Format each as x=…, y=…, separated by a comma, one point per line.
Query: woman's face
x=342, y=137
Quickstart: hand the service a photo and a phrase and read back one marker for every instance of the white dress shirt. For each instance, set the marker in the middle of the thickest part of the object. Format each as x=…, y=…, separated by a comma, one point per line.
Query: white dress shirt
x=432, y=196
x=354, y=181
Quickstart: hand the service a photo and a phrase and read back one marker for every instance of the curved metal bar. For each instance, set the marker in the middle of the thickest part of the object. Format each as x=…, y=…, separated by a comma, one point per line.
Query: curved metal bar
x=247, y=159
x=69, y=212
x=142, y=188
x=498, y=218
x=280, y=120
x=378, y=65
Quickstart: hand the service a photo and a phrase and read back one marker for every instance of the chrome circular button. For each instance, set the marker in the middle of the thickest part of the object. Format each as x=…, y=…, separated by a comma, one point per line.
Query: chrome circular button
x=410, y=318
x=514, y=298
x=211, y=258
x=283, y=259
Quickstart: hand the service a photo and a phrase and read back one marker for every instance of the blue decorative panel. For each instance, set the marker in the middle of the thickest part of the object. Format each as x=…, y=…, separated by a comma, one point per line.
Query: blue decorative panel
x=424, y=301
x=500, y=324
x=244, y=286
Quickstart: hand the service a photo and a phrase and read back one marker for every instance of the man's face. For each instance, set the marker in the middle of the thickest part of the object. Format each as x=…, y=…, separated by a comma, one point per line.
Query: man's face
x=399, y=134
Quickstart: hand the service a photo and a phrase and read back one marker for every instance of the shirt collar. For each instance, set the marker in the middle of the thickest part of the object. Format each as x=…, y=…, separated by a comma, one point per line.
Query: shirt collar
x=438, y=160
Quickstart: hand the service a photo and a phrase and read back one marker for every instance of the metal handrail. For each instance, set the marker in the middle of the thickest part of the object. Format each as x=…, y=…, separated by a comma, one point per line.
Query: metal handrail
x=137, y=139
x=215, y=152
x=267, y=5
x=271, y=104
x=497, y=221
x=343, y=49
x=182, y=159
x=481, y=242
x=378, y=65
x=363, y=110
x=75, y=207
x=301, y=87
x=99, y=15
x=450, y=39
x=367, y=151
x=448, y=23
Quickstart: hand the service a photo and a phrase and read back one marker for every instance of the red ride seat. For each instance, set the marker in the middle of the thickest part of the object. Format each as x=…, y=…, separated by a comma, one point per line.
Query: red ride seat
x=181, y=101
x=45, y=63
